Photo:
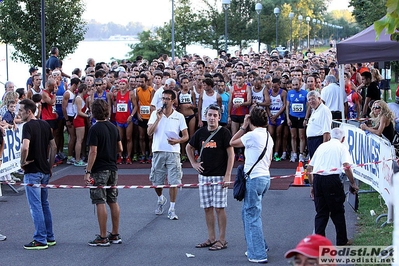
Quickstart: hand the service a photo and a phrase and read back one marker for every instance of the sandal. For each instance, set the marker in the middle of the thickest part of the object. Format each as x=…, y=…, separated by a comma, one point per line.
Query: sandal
x=216, y=246
x=207, y=243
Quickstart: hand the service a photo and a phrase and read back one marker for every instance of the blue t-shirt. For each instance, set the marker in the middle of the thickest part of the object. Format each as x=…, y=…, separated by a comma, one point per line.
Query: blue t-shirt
x=58, y=100
x=225, y=107
x=297, y=101
x=9, y=117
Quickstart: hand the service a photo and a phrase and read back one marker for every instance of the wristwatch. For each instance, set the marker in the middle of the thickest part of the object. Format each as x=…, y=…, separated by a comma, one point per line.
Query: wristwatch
x=87, y=172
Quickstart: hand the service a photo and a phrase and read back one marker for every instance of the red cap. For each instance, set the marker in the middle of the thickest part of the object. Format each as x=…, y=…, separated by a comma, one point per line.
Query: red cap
x=123, y=80
x=309, y=246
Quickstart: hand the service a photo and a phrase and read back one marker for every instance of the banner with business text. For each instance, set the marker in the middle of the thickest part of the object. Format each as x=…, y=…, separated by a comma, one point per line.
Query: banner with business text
x=12, y=151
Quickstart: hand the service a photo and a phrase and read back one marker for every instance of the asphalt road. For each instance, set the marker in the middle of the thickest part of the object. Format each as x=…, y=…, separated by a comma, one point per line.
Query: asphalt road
x=149, y=239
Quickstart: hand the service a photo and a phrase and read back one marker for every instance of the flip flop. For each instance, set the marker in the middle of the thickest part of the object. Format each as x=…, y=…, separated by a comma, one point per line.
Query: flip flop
x=207, y=243
x=216, y=247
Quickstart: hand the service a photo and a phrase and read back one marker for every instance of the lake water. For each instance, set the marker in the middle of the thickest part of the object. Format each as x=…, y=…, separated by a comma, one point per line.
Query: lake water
x=99, y=50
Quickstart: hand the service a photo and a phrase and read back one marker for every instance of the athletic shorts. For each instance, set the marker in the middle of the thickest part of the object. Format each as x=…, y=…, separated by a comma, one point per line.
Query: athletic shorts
x=237, y=118
x=70, y=119
x=124, y=125
x=143, y=123
x=297, y=122
x=212, y=195
x=166, y=164
x=279, y=121
x=52, y=123
x=79, y=121
x=188, y=118
x=102, y=195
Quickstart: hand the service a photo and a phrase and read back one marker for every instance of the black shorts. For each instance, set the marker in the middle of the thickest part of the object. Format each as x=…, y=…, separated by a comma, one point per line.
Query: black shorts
x=188, y=118
x=52, y=123
x=237, y=118
x=70, y=119
x=297, y=122
x=143, y=123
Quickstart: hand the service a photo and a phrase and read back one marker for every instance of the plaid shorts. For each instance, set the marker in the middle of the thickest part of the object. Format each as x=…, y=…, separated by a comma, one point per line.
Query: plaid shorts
x=102, y=195
x=212, y=195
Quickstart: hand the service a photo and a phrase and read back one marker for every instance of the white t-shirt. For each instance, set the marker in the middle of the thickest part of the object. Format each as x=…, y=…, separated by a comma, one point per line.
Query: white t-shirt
x=319, y=122
x=254, y=143
x=329, y=155
x=334, y=97
x=157, y=98
x=394, y=107
x=173, y=124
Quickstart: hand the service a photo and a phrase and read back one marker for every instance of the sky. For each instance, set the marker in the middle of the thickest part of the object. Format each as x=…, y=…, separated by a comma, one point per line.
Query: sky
x=148, y=12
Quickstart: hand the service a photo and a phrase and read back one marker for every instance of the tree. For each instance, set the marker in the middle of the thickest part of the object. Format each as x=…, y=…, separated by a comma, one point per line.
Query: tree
x=150, y=46
x=390, y=22
x=366, y=12
x=20, y=27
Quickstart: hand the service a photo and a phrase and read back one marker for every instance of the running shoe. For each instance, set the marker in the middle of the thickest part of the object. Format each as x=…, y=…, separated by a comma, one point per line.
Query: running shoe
x=301, y=157
x=128, y=161
x=149, y=159
x=34, y=245
x=184, y=158
x=2, y=237
x=161, y=204
x=135, y=157
x=142, y=159
x=100, y=242
x=51, y=243
x=71, y=160
x=241, y=158
x=80, y=163
x=114, y=239
x=172, y=215
x=293, y=157
x=119, y=160
x=276, y=158
x=283, y=156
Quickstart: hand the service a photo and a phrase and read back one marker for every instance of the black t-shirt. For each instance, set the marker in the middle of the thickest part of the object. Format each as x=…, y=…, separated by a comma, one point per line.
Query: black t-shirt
x=214, y=154
x=38, y=132
x=373, y=92
x=105, y=136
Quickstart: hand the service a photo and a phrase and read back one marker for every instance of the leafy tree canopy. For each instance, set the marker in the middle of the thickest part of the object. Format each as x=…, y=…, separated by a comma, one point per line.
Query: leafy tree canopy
x=391, y=20
x=20, y=26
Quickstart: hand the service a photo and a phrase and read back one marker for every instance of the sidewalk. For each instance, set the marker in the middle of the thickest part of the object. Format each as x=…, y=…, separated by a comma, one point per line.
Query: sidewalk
x=149, y=239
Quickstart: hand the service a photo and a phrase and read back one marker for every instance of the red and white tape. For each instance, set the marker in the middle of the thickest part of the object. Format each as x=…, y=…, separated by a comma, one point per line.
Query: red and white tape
x=186, y=185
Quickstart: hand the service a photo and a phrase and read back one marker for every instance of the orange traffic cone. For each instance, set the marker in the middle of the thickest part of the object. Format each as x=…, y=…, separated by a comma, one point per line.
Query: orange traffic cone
x=298, y=178
x=302, y=170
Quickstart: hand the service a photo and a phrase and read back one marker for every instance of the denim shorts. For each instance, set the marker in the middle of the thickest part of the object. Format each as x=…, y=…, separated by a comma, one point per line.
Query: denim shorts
x=102, y=195
x=166, y=164
x=212, y=195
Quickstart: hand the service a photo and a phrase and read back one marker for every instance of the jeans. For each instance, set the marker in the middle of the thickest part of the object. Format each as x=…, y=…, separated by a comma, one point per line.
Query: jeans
x=252, y=217
x=39, y=207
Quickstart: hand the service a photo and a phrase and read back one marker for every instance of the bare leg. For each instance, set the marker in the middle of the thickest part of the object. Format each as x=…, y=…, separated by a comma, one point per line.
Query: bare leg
x=102, y=219
x=210, y=223
x=173, y=194
x=222, y=223
x=115, y=214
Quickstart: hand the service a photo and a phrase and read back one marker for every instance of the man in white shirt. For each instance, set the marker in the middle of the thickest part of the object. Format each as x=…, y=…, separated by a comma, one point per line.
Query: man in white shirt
x=165, y=125
x=334, y=97
x=319, y=125
x=328, y=191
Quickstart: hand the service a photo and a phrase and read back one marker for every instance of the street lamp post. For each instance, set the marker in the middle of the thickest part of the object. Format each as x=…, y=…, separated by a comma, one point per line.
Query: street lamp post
x=291, y=16
x=173, y=30
x=300, y=18
x=308, y=20
x=276, y=13
x=258, y=9
x=314, y=33
x=225, y=4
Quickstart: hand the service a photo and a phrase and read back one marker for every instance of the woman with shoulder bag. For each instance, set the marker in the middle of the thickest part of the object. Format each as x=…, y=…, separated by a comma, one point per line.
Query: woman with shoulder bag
x=258, y=182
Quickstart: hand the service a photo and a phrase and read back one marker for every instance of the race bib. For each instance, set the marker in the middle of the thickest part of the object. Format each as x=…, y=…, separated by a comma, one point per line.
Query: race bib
x=274, y=112
x=238, y=100
x=145, y=110
x=185, y=99
x=121, y=107
x=297, y=107
x=223, y=109
x=54, y=109
x=58, y=99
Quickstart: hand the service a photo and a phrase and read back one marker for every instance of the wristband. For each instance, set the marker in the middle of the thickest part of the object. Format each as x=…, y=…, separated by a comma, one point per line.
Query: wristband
x=87, y=172
x=243, y=129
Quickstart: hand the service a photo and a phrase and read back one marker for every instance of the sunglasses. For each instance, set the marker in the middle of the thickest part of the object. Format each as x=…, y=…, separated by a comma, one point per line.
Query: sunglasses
x=376, y=107
x=98, y=85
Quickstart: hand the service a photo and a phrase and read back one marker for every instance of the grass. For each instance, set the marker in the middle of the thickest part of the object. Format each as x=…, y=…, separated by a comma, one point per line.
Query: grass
x=368, y=231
